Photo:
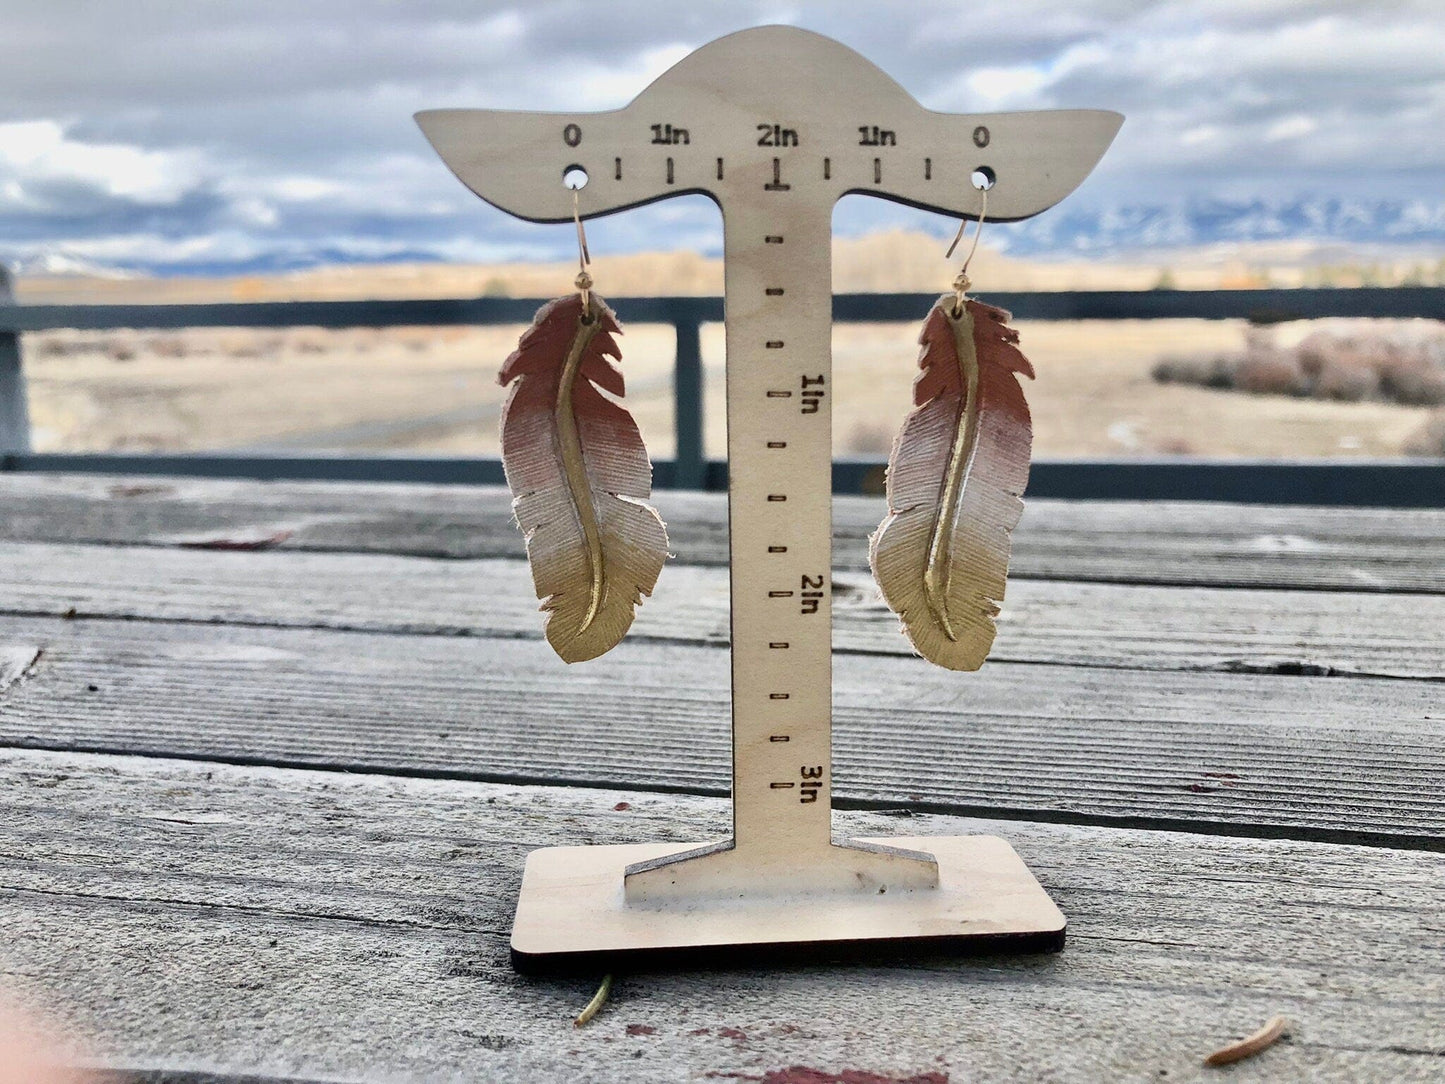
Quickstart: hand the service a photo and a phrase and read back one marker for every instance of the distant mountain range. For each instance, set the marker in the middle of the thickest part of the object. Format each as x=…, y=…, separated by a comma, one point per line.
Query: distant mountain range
x=1069, y=232
x=1329, y=221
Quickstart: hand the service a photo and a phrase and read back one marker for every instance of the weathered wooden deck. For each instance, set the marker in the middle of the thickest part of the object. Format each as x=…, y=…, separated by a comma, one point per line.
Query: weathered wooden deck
x=272, y=756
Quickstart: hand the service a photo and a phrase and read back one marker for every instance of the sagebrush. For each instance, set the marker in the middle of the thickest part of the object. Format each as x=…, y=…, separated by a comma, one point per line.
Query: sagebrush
x=1346, y=367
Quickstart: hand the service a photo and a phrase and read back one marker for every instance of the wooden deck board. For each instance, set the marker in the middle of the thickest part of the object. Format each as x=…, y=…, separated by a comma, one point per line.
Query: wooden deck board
x=212, y=906
x=241, y=920
x=1178, y=542
x=1314, y=756
x=1086, y=624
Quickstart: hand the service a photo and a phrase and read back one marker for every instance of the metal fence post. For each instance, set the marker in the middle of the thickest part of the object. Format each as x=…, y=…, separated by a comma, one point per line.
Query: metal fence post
x=14, y=411
x=689, y=467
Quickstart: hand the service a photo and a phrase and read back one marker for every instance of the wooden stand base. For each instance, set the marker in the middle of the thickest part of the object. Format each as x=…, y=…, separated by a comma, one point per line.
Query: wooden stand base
x=572, y=916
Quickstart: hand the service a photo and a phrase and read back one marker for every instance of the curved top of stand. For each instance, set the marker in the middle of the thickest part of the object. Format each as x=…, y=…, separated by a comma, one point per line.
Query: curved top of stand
x=716, y=120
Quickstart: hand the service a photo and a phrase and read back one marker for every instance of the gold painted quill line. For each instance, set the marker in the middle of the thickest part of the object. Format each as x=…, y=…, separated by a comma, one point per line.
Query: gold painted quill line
x=937, y=574
x=576, y=470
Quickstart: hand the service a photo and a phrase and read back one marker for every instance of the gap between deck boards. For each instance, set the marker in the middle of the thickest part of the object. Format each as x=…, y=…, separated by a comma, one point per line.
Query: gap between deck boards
x=1367, y=634
x=1159, y=542
x=886, y=807
x=1294, y=753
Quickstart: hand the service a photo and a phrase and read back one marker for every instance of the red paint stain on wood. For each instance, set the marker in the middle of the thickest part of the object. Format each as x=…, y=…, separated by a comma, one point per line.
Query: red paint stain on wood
x=264, y=542
x=733, y=1033
x=139, y=491
x=641, y=1029
x=801, y=1074
x=622, y=807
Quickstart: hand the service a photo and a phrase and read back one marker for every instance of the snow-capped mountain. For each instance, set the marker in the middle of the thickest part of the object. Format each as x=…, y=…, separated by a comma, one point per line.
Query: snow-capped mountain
x=1066, y=231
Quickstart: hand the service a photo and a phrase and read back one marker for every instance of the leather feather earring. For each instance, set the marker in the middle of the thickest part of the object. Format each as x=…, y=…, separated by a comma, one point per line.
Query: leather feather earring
x=956, y=478
x=579, y=473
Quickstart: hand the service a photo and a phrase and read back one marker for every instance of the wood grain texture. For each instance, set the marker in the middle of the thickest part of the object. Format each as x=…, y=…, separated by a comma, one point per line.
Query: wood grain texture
x=204, y=918
x=1086, y=624
x=1192, y=543
x=1243, y=753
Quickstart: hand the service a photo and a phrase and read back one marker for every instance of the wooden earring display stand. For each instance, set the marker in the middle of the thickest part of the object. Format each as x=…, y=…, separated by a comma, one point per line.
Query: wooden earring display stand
x=775, y=124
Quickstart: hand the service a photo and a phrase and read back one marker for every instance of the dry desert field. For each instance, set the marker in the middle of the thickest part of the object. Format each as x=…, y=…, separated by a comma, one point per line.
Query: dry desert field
x=433, y=390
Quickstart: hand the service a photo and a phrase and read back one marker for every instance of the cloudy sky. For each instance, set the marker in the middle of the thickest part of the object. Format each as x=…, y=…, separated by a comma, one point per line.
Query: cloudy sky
x=227, y=134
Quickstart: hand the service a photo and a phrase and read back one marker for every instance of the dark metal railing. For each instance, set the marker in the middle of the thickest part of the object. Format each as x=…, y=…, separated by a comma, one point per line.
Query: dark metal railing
x=1392, y=482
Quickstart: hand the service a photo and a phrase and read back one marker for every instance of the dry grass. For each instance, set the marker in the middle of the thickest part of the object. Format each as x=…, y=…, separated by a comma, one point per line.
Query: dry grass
x=302, y=390
x=1429, y=439
x=433, y=390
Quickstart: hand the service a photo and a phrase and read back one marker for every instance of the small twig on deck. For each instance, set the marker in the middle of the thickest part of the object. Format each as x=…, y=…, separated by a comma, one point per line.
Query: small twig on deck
x=1266, y=1036
x=598, y=1000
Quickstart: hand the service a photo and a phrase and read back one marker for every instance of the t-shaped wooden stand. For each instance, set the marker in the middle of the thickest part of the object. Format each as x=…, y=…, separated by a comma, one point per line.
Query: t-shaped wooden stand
x=775, y=124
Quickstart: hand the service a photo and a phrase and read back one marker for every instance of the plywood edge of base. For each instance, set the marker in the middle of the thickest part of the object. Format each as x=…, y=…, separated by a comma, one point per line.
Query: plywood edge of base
x=571, y=917
x=784, y=954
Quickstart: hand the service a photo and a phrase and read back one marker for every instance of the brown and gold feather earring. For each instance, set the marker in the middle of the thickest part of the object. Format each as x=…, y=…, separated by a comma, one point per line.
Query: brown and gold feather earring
x=956, y=478
x=579, y=473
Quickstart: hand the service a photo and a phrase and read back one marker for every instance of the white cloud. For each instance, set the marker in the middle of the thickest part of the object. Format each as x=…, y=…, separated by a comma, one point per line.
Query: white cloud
x=610, y=86
x=1291, y=127
x=252, y=131
x=256, y=212
x=302, y=189
x=1200, y=134
x=995, y=88
x=40, y=152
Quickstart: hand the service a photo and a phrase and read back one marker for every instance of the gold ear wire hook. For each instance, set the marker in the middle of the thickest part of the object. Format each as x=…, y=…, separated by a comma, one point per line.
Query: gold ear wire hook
x=962, y=282
x=583, y=282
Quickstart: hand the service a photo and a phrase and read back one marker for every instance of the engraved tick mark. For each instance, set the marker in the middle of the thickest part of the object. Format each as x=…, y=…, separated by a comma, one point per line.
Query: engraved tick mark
x=780, y=737
x=877, y=171
x=774, y=344
x=776, y=184
x=774, y=291
x=669, y=171
x=928, y=169
x=779, y=645
x=781, y=786
x=777, y=444
x=777, y=497
x=779, y=696
x=617, y=169
x=780, y=594
x=780, y=395
x=719, y=169
x=773, y=239
x=827, y=169
x=777, y=549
